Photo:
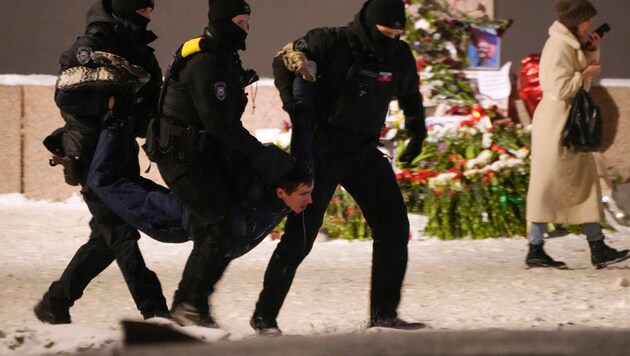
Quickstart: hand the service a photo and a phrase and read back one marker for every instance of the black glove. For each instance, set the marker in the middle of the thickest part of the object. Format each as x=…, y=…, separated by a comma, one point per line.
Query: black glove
x=124, y=101
x=413, y=149
x=271, y=163
x=115, y=125
x=119, y=118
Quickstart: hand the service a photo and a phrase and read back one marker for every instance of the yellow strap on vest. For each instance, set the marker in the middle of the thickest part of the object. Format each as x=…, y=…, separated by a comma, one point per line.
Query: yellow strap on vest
x=191, y=47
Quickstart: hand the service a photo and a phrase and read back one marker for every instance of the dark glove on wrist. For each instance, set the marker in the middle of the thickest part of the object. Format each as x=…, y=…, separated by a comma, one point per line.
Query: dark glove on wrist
x=139, y=124
x=115, y=125
x=123, y=104
x=118, y=118
x=271, y=163
x=413, y=149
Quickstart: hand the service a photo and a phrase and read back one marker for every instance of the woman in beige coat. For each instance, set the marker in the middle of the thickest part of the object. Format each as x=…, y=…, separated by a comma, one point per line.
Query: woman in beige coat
x=564, y=185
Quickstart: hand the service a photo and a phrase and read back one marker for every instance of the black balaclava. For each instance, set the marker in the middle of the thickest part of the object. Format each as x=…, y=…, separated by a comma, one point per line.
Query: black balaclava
x=220, y=15
x=126, y=10
x=388, y=13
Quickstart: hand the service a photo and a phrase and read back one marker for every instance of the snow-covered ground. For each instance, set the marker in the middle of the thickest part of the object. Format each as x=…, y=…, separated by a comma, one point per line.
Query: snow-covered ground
x=450, y=285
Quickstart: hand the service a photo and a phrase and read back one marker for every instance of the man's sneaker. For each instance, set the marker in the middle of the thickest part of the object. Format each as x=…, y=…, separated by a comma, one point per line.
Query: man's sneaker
x=265, y=327
x=396, y=323
x=187, y=315
x=48, y=313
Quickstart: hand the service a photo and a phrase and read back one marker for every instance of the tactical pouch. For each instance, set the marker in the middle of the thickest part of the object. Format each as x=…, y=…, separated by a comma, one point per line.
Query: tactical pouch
x=71, y=170
x=190, y=148
x=151, y=145
x=71, y=166
x=183, y=143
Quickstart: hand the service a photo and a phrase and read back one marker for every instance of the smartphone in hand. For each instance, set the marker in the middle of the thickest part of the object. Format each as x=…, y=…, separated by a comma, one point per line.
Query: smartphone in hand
x=602, y=30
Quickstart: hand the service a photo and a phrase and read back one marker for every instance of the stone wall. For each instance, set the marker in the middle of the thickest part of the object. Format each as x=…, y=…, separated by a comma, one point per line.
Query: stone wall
x=614, y=102
x=10, y=139
x=30, y=114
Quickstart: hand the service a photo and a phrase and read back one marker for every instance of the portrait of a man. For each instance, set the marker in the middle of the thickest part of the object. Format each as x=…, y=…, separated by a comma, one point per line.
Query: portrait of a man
x=484, y=49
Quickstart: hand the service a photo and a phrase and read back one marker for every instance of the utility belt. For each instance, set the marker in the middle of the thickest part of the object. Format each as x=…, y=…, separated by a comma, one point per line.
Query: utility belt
x=184, y=143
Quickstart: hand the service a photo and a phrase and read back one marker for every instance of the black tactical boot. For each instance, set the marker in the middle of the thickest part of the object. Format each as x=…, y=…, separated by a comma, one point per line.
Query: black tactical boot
x=396, y=323
x=264, y=327
x=602, y=255
x=50, y=313
x=537, y=257
x=186, y=315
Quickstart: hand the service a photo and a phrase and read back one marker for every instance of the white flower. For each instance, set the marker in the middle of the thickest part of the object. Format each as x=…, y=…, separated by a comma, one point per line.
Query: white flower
x=481, y=160
x=470, y=172
x=522, y=153
x=471, y=163
x=484, y=156
x=451, y=48
x=422, y=24
x=486, y=140
x=442, y=180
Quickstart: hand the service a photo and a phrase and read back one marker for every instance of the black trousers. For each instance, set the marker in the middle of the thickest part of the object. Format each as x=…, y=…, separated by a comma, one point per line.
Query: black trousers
x=203, y=189
x=110, y=240
x=369, y=178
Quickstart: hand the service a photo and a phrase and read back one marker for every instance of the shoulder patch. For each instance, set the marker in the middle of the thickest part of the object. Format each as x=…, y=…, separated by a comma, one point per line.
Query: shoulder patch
x=220, y=90
x=84, y=54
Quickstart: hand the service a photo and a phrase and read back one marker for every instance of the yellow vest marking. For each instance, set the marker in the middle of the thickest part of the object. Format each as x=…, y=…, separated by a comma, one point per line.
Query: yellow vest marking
x=191, y=47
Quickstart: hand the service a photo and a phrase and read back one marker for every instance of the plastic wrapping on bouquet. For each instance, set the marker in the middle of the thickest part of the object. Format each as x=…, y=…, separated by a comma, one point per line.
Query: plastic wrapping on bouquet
x=529, y=89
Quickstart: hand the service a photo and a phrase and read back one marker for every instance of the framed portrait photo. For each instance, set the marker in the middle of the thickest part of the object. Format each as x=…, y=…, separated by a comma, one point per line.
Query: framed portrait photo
x=484, y=49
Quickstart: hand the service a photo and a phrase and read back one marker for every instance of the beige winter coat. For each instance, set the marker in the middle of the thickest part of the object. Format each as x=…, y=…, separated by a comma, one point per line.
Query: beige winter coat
x=564, y=185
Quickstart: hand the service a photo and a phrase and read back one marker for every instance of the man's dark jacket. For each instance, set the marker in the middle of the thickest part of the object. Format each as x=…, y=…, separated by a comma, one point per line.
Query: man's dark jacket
x=84, y=109
x=346, y=112
x=204, y=93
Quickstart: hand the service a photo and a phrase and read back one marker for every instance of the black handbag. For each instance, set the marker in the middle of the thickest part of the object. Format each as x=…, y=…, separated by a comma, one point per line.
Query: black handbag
x=583, y=130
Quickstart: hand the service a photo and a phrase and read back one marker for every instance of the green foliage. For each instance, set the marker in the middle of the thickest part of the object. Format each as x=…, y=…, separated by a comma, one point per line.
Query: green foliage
x=471, y=180
x=344, y=219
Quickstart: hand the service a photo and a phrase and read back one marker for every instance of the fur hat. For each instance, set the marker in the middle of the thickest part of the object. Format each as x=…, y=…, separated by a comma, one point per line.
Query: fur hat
x=227, y=9
x=124, y=8
x=573, y=12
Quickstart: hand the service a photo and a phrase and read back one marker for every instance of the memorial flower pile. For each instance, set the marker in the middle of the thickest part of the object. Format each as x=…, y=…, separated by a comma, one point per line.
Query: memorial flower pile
x=471, y=178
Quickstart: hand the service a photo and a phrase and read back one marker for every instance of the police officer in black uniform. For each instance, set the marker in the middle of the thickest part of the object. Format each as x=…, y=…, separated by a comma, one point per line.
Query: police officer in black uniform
x=208, y=154
x=356, y=71
x=114, y=27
